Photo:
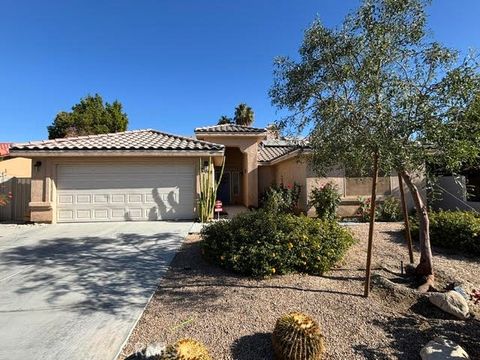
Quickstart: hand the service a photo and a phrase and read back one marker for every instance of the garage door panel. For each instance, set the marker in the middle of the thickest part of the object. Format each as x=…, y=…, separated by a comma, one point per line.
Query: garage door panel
x=109, y=193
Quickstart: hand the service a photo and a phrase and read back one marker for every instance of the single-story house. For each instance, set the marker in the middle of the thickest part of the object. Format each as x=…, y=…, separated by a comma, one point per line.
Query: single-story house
x=13, y=167
x=151, y=175
x=15, y=173
x=460, y=192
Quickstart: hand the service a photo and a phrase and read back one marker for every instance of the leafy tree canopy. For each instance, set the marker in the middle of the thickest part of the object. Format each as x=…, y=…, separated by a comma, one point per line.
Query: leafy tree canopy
x=379, y=84
x=90, y=116
x=244, y=115
x=224, y=120
x=379, y=88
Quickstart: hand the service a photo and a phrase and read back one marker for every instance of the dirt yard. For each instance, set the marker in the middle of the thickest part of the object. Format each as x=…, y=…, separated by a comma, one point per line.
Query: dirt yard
x=234, y=316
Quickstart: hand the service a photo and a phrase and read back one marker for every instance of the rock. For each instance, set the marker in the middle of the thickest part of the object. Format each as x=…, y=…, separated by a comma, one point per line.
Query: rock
x=461, y=291
x=153, y=351
x=443, y=349
x=451, y=302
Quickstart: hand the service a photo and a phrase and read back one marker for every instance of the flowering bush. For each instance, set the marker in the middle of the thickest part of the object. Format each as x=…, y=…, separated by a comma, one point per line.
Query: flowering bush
x=5, y=198
x=262, y=243
x=282, y=198
x=364, y=209
x=325, y=200
x=389, y=210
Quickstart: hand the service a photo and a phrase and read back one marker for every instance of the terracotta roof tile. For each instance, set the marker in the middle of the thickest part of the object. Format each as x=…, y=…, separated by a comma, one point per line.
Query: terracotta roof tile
x=273, y=149
x=128, y=140
x=229, y=128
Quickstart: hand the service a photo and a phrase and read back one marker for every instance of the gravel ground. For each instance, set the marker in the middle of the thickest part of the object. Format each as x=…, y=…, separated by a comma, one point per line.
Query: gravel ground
x=234, y=316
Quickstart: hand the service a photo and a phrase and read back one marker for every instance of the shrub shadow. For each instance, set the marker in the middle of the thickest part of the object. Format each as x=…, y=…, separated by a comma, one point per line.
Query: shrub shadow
x=253, y=347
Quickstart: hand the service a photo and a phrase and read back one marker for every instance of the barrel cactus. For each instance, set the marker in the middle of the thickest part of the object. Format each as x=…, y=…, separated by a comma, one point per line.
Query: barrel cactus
x=186, y=349
x=297, y=337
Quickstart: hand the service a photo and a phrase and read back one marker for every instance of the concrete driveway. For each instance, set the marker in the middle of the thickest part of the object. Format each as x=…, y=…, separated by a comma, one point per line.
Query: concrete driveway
x=75, y=291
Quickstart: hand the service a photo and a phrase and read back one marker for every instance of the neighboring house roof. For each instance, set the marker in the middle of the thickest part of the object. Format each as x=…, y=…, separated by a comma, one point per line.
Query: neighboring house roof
x=229, y=129
x=271, y=150
x=129, y=140
x=4, y=149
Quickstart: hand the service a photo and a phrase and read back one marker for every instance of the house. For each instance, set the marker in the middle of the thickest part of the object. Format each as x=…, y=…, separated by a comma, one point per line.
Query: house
x=152, y=175
x=460, y=192
x=13, y=167
x=15, y=173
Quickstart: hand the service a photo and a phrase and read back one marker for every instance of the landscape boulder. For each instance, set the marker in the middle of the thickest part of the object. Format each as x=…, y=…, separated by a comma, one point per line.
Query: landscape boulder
x=443, y=349
x=451, y=302
x=152, y=351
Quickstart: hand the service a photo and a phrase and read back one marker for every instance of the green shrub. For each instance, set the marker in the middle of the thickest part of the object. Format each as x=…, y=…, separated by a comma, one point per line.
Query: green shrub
x=458, y=230
x=389, y=210
x=281, y=198
x=261, y=243
x=325, y=200
x=364, y=209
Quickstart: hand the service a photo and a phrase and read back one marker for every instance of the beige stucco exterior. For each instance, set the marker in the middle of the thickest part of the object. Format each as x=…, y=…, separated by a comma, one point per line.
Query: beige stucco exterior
x=297, y=170
x=44, y=179
x=241, y=157
x=248, y=146
x=16, y=167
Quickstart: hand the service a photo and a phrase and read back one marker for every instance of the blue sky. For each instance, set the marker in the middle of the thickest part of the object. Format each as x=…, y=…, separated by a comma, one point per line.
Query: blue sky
x=174, y=64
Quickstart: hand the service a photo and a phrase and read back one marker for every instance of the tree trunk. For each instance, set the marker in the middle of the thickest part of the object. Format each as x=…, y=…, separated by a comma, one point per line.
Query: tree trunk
x=408, y=236
x=372, y=224
x=425, y=267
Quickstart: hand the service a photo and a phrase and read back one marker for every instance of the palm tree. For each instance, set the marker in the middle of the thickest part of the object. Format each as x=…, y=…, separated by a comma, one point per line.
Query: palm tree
x=244, y=115
x=224, y=120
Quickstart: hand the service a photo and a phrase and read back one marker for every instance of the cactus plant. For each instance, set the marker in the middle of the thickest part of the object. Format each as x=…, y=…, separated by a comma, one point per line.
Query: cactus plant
x=208, y=190
x=186, y=349
x=297, y=337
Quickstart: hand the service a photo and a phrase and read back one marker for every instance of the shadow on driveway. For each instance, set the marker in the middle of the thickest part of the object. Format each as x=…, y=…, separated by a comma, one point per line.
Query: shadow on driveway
x=105, y=273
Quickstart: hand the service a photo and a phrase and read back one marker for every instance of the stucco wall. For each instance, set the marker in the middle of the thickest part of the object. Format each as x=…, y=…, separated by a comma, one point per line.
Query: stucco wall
x=293, y=170
x=248, y=145
x=266, y=178
x=452, y=194
x=43, y=196
x=16, y=167
x=350, y=204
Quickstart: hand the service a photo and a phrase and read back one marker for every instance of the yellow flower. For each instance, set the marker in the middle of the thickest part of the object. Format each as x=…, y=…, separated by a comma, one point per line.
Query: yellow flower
x=273, y=270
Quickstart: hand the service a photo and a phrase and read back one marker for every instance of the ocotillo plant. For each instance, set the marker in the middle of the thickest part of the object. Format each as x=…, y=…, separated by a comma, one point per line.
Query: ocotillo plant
x=208, y=189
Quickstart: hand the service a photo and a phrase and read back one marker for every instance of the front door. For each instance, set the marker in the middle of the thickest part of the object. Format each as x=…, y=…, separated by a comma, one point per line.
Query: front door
x=223, y=192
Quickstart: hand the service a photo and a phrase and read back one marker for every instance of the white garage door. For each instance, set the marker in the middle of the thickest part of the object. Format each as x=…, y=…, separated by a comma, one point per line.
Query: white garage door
x=121, y=192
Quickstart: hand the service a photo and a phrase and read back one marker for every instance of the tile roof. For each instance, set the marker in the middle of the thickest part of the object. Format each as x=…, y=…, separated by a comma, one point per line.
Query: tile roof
x=5, y=149
x=273, y=149
x=128, y=140
x=230, y=128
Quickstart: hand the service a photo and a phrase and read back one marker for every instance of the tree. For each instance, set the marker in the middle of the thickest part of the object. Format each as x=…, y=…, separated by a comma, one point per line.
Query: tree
x=224, y=120
x=244, y=115
x=90, y=116
x=379, y=87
